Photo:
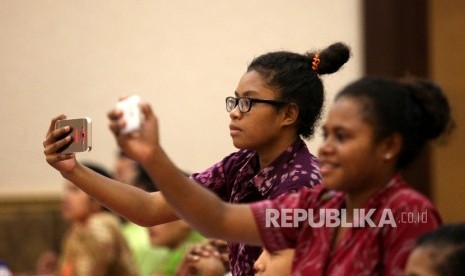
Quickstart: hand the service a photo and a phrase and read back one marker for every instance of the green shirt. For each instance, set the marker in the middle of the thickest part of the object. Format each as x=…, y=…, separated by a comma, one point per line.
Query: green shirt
x=176, y=255
x=148, y=258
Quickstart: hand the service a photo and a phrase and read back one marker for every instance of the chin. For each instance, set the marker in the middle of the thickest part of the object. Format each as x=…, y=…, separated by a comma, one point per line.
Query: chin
x=240, y=145
x=332, y=184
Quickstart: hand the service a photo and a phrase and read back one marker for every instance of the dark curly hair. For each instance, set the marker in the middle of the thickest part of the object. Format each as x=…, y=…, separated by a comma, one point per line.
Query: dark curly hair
x=448, y=243
x=296, y=82
x=417, y=109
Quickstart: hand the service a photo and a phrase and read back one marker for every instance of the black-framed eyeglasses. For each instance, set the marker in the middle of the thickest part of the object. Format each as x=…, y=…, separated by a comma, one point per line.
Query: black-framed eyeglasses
x=245, y=103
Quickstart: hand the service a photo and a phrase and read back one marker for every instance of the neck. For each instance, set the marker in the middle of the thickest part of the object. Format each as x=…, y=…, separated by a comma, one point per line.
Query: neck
x=356, y=199
x=274, y=149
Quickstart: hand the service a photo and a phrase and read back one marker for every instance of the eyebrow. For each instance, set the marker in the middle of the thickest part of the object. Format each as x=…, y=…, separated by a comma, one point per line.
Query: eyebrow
x=246, y=93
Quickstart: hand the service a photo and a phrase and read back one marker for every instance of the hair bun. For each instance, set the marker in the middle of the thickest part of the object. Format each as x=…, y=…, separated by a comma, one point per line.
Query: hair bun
x=332, y=58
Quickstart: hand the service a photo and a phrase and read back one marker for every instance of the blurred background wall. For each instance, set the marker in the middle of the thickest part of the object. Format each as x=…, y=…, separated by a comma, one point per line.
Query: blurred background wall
x=78, y=57
x=184, y=57
x=447, y=63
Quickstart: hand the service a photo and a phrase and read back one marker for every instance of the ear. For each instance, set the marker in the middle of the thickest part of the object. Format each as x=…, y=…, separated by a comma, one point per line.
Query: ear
x=391, y=147
x=291, y=113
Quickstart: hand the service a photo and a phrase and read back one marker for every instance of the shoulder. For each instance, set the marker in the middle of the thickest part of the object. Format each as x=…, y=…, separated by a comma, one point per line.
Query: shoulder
x=228, y=163
x=411, y=212
x=305, y=165
x=104, y=219
x=404, y=197
x=103, y=226
x=308, y=197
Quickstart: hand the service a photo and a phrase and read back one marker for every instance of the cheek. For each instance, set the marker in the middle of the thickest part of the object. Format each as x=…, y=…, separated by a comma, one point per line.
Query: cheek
x=264, y=127
x=281, y=268
x=351, y=165
x=256, y=131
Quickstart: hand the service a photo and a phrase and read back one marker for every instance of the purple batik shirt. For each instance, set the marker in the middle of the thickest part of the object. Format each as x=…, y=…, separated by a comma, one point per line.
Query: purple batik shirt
x=238, y=179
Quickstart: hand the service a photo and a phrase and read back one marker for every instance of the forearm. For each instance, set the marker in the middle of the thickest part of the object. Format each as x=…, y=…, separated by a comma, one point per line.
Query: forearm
x=136, y=205
x=201, y=208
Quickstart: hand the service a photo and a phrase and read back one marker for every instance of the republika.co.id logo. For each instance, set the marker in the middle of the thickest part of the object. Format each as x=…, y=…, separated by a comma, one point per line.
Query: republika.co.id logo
x=286, y=218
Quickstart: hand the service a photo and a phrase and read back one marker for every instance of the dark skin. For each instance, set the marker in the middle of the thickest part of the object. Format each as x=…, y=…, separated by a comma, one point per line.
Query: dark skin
x=278, y=132
x=345, y=161
x=350, y=154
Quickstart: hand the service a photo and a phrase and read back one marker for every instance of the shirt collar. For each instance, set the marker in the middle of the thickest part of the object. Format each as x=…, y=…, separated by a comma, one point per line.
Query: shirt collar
x=377, y=198
x=266, y=178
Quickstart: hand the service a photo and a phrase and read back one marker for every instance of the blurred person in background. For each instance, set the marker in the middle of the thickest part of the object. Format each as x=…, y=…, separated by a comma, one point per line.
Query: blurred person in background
x=207, y=258
x=148, y=257
x=93, y=244
x=439, y=253
x=177, y=237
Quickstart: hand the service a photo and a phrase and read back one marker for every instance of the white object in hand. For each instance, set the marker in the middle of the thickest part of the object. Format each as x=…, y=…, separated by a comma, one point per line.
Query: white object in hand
x=131, y=113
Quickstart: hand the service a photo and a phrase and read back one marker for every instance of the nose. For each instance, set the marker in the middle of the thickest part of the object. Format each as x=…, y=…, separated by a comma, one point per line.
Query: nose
x=326, y=147
x=235, y=113
x=258, y=268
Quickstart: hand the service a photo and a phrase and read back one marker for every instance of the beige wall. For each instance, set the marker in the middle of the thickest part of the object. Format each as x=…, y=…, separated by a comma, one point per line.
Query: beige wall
x=185, y=57
x=447, y=27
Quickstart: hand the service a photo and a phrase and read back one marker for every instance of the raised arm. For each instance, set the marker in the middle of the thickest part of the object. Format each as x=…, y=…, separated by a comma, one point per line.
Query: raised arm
x=202, y=209
x=136, y=205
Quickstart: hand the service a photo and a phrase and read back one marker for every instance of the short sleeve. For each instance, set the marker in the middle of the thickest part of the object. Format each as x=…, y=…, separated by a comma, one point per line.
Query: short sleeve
x=216, y=178
x=279, y=229
x=413, y=219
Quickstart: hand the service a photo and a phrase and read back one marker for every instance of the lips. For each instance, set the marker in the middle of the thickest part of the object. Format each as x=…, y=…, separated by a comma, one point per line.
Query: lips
x=327, y=167
x=234, y=130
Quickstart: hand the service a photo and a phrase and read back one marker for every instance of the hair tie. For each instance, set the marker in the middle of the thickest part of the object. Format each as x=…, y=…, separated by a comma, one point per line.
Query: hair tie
x=315, y=62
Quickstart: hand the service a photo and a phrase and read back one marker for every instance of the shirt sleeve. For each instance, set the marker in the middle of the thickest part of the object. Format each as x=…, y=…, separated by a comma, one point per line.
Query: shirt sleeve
x=413, y=219
x=215, y=178
x=276, y=220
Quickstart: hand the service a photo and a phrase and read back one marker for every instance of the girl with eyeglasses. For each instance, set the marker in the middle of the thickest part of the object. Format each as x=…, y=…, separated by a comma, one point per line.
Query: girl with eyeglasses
x=375, y=128
x=276, y=104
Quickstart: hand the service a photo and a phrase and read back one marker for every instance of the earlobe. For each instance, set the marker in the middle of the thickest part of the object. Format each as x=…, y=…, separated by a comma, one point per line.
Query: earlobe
x=387, y=156
x=393, y=146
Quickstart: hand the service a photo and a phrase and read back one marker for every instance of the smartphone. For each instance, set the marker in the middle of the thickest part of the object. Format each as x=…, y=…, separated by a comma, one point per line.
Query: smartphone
x=131, y=113
x=81, y=134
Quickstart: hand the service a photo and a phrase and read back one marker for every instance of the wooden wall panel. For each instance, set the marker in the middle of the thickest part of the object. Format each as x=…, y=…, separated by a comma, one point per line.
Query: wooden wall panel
x=29, y=227
x=396, y=45
x=447, y=63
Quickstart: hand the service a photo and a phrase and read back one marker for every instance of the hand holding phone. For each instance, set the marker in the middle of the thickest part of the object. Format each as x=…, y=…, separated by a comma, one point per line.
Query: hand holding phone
x=81, y=134
x=131, y=113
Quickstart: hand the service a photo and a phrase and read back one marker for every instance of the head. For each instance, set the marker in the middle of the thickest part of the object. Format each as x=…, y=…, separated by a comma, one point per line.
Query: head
x=130, y=172
x=125, y=169
x=144, y=181
x=439, y=253
x=76, y=205
x=377, y=126
x=171, y=234
x=274, y=263
x=294, y=88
